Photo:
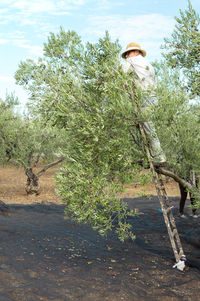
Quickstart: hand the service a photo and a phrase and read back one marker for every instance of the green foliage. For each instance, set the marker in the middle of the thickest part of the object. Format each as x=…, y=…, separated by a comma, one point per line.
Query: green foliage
x=53, y=77
x=34, y=142
x=99, y=157
x=177, y=121
x=183, y=48
x=23, y=140
x=145, y=178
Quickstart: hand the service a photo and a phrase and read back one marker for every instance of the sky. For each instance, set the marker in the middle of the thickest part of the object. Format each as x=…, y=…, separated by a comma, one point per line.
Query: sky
x=26, y=24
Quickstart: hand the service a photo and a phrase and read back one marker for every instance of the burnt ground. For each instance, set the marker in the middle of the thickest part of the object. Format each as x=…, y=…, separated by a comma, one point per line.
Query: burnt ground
x=45, y=257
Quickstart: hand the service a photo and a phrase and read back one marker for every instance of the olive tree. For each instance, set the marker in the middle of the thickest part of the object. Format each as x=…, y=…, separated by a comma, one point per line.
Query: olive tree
x=83, y=90
x=37, y=148
x=177, y=121
x=28, y=143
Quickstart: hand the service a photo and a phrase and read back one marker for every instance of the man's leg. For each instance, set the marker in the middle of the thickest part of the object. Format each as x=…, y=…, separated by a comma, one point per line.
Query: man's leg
x=155, y=147
x=183, y=198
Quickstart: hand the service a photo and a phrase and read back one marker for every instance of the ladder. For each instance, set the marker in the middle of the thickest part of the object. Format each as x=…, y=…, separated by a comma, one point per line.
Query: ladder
x=165, y=207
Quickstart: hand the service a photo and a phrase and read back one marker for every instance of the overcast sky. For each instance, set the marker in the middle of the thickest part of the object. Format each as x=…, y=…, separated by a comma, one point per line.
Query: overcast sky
x=25, y=25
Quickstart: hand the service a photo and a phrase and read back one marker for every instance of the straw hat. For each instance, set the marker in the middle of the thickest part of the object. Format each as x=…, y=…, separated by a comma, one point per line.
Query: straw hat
x=133, y=46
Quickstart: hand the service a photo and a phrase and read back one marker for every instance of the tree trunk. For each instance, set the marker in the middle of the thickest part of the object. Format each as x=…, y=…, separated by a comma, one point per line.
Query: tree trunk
x=32, y=183
x=32, y=186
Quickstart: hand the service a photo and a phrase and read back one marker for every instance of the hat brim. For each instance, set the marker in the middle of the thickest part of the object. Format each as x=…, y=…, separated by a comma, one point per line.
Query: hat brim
x=133, y=48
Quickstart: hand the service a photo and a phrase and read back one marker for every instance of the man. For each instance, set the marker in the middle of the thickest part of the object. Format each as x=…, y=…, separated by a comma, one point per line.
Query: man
x=135, y=61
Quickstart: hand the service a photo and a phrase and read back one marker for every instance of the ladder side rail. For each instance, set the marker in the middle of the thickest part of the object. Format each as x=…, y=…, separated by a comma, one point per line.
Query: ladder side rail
x=164, y=202
x=171, y=217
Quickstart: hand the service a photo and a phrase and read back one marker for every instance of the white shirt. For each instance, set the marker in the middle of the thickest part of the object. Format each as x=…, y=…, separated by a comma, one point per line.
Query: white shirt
x=143, y=69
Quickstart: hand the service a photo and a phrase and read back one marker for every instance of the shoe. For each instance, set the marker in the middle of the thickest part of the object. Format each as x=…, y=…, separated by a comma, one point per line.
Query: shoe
x=182, y=215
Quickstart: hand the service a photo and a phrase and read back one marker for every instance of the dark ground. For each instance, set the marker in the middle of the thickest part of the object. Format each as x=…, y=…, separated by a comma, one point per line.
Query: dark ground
x=44, y=257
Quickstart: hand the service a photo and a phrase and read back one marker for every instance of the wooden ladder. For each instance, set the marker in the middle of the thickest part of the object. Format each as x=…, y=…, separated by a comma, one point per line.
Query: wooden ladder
x=165, y=207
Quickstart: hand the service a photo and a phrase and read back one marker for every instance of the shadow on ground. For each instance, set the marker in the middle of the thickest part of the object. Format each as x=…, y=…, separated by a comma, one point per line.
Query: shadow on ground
x=44, y=257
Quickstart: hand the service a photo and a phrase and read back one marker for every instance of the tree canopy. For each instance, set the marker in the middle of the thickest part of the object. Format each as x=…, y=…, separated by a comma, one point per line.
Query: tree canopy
x=81, y=90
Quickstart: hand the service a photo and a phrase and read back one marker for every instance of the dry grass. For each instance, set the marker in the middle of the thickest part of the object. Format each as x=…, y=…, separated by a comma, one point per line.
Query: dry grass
x=135, y=190
x=12, y=186
x=13, y=180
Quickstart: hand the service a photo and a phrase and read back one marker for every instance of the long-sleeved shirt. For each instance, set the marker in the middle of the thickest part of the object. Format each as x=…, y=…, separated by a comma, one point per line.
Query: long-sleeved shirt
x=143, y=69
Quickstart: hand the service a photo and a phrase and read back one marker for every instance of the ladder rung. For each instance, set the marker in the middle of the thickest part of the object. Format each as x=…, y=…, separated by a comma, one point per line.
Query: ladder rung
x=174, y=232
x=168, y=210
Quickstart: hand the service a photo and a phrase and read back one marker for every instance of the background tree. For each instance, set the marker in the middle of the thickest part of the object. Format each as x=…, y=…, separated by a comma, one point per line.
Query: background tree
x=182, y=54
x=37, y=149
x=27, y=143
x=182, y=50
x=177, y=121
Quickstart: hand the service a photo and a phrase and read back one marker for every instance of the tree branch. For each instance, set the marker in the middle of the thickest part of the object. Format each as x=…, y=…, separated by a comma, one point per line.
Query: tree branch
x=49, y=166
x=171, y=174
x=36, y=161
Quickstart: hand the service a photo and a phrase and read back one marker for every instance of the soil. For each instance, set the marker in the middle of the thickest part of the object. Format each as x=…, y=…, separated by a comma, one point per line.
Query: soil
x=45, y=257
